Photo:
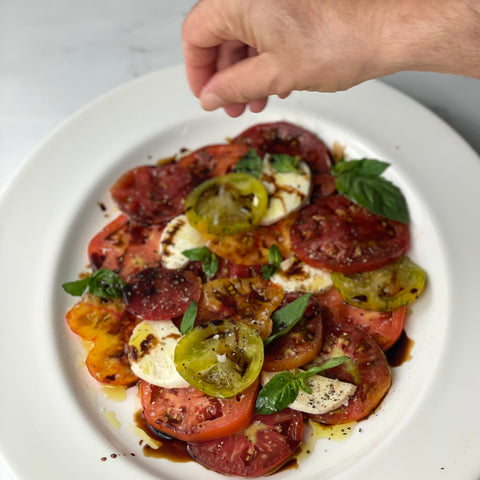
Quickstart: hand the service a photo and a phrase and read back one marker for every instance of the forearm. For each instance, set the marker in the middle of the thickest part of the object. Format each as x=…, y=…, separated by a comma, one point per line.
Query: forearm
x=440, y=36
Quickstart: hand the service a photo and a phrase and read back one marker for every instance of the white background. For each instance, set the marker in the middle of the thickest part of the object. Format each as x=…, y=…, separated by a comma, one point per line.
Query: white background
x=58, y=55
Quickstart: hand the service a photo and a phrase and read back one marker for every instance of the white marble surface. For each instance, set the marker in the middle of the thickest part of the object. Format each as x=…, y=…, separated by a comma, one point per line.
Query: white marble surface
x=58, y=55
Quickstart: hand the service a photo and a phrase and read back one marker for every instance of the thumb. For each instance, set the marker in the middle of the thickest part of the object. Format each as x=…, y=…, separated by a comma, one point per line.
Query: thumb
x=250, y=79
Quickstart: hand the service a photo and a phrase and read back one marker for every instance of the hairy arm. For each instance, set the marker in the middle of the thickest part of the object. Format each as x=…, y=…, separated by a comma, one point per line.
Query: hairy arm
x=239, y=52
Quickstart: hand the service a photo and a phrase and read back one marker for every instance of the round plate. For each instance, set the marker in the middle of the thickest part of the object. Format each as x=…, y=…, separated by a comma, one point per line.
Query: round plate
x=58, y=423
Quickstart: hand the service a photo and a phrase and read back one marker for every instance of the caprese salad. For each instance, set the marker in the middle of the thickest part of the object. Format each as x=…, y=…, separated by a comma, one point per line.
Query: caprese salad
x=246, y=288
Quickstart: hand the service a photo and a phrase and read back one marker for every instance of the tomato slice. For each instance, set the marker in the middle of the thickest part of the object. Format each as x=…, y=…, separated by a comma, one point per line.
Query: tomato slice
x=161, y=294
x=213, y=160
x=125, y=247
x=251, y=248
x=227, y=205
x=108, y=326
x=261, y=448
x=190, y=415
x=247, y=300
x=336, y=234
x=368, y=369
x=300, y=345
x=390, y=287
x=284, y=137
x=153, y=194
x=384, y=327
x=220, y=358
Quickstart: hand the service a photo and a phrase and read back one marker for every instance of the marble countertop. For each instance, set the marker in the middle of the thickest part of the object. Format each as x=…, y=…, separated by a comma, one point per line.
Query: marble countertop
x=56, y=56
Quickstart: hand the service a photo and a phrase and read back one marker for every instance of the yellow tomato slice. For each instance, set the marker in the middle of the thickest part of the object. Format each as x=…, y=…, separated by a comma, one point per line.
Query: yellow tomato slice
x=385, y=289
x=220, y=358
x=227, y=205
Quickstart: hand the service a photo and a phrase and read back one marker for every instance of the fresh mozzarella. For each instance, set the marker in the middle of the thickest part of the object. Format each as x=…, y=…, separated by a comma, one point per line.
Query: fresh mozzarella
x=327, y=395
x=295, y=276
x=178, y=236
x=151, y=350
x=287, y=191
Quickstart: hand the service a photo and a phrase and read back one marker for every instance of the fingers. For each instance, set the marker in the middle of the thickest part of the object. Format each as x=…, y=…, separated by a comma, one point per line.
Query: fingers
x=250, y=80
x=201, y=40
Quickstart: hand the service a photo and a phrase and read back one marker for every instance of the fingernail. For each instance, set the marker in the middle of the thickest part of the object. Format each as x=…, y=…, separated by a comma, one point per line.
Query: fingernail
x=211, y=101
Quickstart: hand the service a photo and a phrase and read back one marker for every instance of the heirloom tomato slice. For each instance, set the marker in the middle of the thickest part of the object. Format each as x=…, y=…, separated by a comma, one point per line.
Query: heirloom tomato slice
x=384, y=289
x=367, y=368
x=261, y=448
x=190, y=415
x=220, y=358
x=227, y=205
x=384, y=327
x=338, y=235
x=108, y=325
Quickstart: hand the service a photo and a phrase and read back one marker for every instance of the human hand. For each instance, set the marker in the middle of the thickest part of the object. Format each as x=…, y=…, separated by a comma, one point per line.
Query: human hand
x=239, y=52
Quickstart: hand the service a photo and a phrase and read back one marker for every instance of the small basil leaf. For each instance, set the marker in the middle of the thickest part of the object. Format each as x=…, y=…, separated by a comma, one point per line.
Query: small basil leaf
x=284, y=163
x=274, y=261
x=277, y=394
x=188, y=319
x=287, y=317
x=330, y=363
x=103, y=283
x=76, y=288
x=250, y=163
x=210, y=266
x=106, y=284
x=204, y=255
x=197, y=254
x=360, y=182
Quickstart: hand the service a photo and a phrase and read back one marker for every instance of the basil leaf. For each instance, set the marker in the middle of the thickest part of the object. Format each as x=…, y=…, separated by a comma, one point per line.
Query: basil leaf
x=283, y=388
x=250, y=163
x=330, y=363
x=203, y=254
x=103, y=283
x=284, y=163
x=76, y=288
x=188, y=319
x=361, y=182
x=274, y=261
x=277, y=394
x=287, y=317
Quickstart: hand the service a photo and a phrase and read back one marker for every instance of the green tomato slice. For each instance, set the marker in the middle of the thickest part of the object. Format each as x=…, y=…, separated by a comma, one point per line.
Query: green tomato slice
x=220, y=358
x=385, y=289
x=227, y=205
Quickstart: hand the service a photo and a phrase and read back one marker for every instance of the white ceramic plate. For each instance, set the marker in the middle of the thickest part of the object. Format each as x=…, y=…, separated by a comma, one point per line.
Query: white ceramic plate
x=55, y=418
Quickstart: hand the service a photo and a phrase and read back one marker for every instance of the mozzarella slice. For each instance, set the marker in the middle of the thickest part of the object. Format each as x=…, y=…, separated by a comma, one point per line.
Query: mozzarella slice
x=327, y=395
x=151, y=351
x=178, y=236
x=287, y=191
x=295, y=276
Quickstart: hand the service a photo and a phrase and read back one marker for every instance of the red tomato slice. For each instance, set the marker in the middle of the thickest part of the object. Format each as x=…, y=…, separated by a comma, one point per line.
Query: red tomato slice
x=125, y=247
x=161, y=294
x=213, y=160
x=107, y=247
x=338, y=235
x=284, y=137
x=368, y=369
x=264, y=446
x=300, y=345
x=190, y=415
x=384, y=327
x=153, y=194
